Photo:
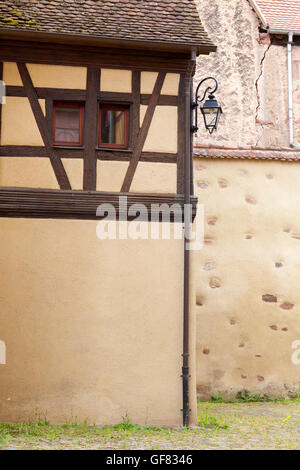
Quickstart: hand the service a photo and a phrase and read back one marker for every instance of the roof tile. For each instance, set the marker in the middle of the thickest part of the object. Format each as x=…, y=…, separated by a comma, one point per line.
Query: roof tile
x=281, y=14
x=141, y=20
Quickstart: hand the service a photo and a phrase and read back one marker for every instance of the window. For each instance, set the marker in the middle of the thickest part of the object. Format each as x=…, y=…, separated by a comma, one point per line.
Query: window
x=68, y=123
x=113, y=126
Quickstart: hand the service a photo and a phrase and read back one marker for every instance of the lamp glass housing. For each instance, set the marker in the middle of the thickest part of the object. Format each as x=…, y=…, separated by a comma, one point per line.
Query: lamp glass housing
x=211, y=112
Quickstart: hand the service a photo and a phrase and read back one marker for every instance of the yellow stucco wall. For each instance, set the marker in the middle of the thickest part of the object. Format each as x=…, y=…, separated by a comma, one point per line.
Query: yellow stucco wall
x=31, y=172
x=18, y=125
x=170, y=86
x=149, y=177
x=86, y=325
x=49, y=76
x=251, y=255
x=115, y=80
x=35, y=172
x=57, y=76
x=162, y=135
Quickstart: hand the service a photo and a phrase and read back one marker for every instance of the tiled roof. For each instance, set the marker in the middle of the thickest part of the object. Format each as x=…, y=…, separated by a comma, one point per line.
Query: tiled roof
x=281, y=14
x=250, y=153
x=164, y=21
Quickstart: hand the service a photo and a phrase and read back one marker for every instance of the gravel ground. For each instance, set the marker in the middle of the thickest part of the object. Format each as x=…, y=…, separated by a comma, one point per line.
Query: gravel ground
x=221, y=426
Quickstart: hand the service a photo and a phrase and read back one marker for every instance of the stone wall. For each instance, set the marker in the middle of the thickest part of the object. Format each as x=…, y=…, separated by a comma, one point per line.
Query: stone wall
x=247, y=274
x=252, y=76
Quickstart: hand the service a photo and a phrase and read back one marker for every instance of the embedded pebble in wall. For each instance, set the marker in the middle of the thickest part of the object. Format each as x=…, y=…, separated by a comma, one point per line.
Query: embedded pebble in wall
x=269, y=176
x=212, y=221
x=202, y=184
x=200, y=167
x=206, y=351
x=260, y=378
x=215, y=283
x=241, y=345
x=284, y=329
x=296, y=236
x=287, y=230
x=257, y=355
x=208, y=266
x=278, y=264
x=287, y=306
x=248, y=236
x=199, y=301
x=208, y=240
x=243, y=173
x=222, y=183
x=269, y=298
x=250, y=200
x=273, y=327
x=243, y=376
x=232, y=321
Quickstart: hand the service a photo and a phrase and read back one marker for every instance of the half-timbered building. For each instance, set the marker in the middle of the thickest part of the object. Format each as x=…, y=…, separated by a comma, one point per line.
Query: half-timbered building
x=97, y=105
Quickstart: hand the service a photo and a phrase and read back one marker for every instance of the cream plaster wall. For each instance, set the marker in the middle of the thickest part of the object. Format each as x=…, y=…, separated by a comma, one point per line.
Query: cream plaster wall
x=116, y=80
x=49, y=76
x=162, y=135
x=11, y=74
x=247, y=297
x=18, y=126
x=31, y=172
x=87, y=325
x=148, y=178
x=170, y=86
x=74, y=170
x=155, y=178
x=57, y=76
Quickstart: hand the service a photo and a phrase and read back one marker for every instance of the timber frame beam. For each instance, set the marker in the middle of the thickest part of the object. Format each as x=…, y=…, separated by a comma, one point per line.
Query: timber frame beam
x=143, y=132
x=56, y=163
x=20, y=200
x=61, y=204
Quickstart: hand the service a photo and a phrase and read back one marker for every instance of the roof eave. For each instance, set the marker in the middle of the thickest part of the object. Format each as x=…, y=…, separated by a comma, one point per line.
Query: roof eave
x=64, y=38
x=259, y=13
x=295, y=32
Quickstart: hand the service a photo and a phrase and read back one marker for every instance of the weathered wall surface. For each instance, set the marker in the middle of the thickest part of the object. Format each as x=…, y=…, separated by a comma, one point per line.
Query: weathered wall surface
x=247, y=298
x=247, y=295
x=252, y=77
x=87, y=326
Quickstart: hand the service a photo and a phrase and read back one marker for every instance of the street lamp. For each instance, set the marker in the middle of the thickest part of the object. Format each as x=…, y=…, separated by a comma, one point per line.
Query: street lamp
x=211, y=110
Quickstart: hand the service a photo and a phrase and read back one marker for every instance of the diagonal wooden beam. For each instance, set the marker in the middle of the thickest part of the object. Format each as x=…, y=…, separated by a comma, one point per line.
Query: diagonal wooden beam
x=90, y=128
x=143, y=132
x=58, y=168
x=1, y=78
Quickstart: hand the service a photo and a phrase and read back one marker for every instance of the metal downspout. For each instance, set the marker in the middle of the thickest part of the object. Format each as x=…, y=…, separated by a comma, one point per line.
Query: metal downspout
x=188, y=190
x=290, y=88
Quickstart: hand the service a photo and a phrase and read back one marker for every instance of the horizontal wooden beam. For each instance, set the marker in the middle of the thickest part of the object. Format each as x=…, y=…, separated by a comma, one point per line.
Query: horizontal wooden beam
x=61, y=204
x=153, y=157
x=48, y=53
x=108, y=155
x=80, y=95
x=37, y=151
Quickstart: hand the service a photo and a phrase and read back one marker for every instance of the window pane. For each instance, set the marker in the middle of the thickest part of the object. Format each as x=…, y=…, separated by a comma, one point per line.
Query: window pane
x=67, y=125
x=67, y=135
x=113, y=126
